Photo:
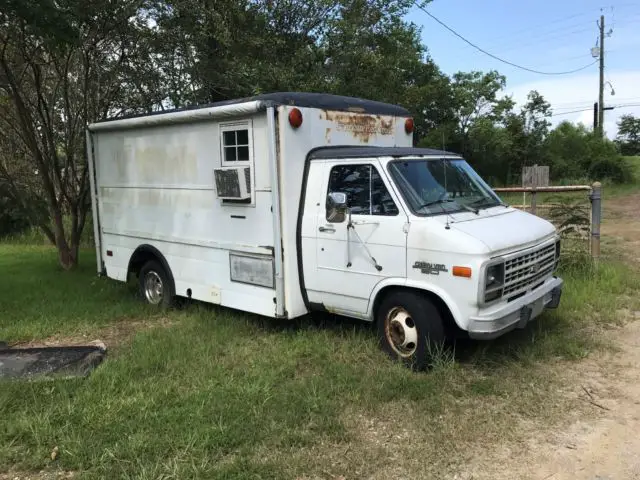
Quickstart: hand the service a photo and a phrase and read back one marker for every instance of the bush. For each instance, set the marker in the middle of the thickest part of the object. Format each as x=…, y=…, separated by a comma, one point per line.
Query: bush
x=616, y=169
x=11, y=220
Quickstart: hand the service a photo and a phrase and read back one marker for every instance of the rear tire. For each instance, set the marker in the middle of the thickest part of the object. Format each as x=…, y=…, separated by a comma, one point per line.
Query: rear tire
x=155, y=285
x=410, y=328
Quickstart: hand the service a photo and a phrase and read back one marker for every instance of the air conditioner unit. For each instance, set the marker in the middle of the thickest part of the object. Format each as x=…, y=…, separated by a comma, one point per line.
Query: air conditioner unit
x=233, y=183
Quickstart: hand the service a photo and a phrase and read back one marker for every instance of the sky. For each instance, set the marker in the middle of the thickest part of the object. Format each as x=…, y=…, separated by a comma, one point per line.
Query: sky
x=548, y=36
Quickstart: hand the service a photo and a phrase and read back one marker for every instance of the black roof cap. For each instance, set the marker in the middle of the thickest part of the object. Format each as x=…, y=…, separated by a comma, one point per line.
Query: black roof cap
x=298, y=99
x=361, y=152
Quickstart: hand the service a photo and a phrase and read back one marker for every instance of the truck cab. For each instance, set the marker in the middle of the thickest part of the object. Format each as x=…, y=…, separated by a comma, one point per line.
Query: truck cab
x=415, y=240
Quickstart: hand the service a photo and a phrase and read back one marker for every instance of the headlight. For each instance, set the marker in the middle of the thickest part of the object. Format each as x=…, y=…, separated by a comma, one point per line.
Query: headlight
x=493, y=282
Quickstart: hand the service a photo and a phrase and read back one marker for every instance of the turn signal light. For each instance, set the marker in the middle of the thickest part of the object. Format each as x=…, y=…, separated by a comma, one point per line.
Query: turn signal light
x=462, y=272
x=295, y=118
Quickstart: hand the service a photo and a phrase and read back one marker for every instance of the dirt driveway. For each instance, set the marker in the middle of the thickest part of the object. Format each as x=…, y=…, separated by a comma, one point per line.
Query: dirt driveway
x=606, y=444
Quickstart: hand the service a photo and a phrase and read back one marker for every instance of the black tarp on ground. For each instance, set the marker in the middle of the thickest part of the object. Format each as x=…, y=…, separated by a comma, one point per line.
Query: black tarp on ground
x=37, y=362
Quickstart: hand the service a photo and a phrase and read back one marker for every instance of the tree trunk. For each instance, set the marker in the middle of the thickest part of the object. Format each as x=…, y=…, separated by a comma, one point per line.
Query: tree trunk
x=68, y=256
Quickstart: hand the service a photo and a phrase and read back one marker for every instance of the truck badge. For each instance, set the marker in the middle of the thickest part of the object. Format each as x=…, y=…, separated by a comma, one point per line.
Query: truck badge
x=430, y=268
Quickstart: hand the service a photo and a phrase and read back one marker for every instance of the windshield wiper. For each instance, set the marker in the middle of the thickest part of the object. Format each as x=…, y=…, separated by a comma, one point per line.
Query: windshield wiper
x=482, y=203
x=440, y=201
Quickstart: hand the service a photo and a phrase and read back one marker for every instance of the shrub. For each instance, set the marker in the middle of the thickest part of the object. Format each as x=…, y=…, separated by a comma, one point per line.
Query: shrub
x=615, y=169
x=11, y=220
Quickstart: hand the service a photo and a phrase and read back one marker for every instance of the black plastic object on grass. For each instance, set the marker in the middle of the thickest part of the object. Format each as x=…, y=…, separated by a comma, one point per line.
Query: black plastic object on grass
x=49, y=362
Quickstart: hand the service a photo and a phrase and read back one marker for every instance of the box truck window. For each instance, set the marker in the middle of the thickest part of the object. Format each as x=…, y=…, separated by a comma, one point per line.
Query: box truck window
x=236, y=143
x=365, y=189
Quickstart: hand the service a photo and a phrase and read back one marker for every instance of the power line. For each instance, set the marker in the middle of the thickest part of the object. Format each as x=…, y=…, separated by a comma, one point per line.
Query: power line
x=541, y=37
x=585, y=103
x=628, y=105
x=498, y=58
x=543, y=40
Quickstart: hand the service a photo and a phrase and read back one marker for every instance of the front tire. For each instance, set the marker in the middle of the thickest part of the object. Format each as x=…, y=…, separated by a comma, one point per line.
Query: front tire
x=410, y=328
x=155, y=286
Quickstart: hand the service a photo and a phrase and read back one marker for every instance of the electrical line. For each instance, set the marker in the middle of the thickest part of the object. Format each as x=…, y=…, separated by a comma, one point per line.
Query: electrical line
x=498, y=58
x=541, y=37
x=524, y=42
x=584, y=103
x=572, y=111
x=628, y=105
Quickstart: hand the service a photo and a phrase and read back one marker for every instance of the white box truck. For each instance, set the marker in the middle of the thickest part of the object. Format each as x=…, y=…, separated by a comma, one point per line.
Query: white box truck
x=287, y=203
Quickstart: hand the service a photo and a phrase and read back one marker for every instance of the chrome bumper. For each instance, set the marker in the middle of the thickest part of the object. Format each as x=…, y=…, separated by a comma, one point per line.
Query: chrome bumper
x=496, y=322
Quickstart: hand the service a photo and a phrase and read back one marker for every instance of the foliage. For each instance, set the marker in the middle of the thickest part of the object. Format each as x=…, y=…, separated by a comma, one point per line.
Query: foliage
x=11, y=219
x=575, y=152
x=63, y=64
x=570, y=215
x=66, y=63
x=629, y=135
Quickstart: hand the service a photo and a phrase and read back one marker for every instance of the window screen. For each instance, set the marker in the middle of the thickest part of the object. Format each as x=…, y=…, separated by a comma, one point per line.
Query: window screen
x=366, y=192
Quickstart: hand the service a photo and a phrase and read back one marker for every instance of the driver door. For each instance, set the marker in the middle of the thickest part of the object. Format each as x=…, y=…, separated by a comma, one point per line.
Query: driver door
x=353, y=258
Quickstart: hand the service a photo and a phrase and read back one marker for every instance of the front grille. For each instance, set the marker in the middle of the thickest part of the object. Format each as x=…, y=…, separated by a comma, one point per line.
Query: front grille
x=523, y=271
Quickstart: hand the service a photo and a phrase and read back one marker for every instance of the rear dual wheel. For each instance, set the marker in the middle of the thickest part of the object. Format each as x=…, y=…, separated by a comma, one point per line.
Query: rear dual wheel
x=410, y=328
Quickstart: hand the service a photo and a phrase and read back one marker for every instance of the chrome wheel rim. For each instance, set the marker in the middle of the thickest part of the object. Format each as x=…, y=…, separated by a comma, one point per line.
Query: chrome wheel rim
x=153, y=288
x=401, y=332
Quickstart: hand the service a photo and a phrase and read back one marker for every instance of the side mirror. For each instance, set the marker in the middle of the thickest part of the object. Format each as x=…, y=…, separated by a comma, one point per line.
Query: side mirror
x=337, y=200
x=337, y=207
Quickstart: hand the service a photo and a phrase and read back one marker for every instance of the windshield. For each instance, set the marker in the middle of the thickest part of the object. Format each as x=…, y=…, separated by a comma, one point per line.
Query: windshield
x=439, y=186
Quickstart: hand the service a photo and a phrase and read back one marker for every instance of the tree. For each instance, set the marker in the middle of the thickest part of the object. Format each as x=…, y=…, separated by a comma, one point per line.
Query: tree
x=629, y=135
x=472, y=104
x=63, y=64
x=475, y=96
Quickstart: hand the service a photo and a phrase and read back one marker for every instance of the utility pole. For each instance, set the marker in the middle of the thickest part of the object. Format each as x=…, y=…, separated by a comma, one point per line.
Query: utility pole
x=601, y=92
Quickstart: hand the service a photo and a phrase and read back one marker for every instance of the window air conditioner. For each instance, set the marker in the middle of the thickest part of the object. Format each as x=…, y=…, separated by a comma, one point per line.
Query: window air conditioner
x=233, y=183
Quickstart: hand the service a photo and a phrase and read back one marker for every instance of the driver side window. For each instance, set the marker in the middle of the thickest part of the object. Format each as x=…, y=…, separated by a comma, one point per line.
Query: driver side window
x=365, y=189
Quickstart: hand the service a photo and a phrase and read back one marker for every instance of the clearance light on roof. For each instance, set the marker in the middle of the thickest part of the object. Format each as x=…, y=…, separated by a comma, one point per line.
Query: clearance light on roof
x=295, y=118
x=408, y=125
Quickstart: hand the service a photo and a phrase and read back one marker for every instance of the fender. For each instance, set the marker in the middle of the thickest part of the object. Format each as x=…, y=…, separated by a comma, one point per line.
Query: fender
x=147, y=251
x=427, y=287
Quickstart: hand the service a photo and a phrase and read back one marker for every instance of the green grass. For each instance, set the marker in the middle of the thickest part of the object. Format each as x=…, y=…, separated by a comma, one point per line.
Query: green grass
x=219, y=394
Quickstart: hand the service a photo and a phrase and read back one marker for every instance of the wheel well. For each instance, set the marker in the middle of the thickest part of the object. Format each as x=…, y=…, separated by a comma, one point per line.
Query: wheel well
x=451, y=327
x=142, y=255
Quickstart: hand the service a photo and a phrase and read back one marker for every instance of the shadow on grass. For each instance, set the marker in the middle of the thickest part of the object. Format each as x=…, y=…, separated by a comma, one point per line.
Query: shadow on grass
x=549, y=335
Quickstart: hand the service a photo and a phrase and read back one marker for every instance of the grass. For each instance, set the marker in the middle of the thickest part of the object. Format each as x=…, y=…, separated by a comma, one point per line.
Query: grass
x=211, y=393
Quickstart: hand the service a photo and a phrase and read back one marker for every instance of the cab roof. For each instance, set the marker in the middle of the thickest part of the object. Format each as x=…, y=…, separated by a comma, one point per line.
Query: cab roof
x=367, y=152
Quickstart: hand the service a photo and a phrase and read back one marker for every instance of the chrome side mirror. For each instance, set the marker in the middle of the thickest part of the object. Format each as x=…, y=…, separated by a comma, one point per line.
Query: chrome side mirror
x=337, y=200
x=337, y=207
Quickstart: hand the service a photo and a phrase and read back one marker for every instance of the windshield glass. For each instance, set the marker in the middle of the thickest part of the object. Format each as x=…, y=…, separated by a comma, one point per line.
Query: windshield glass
x=441, y=186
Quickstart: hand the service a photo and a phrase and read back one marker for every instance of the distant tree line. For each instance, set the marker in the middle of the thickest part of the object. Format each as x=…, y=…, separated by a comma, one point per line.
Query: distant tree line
x=65, y=63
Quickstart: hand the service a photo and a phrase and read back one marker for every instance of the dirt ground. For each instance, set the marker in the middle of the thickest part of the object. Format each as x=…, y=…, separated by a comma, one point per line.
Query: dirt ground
x=606, y=444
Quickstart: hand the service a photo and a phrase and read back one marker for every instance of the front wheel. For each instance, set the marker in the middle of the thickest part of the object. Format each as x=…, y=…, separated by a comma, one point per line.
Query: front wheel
x=410, y=328
x=155, y=285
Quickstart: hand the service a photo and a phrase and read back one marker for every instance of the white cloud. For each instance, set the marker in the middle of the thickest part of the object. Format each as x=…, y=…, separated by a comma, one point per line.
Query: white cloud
x=578, y=92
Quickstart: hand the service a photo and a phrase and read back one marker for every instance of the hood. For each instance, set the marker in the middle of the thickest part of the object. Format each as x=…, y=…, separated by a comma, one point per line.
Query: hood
x=502, y=229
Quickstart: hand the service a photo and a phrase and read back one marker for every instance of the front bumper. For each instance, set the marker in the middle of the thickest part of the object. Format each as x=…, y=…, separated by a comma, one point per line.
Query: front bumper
x=518, y=313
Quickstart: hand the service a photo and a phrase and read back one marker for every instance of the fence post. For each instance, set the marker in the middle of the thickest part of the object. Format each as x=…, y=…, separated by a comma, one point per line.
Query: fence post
x=533, y=200
x=596, y=215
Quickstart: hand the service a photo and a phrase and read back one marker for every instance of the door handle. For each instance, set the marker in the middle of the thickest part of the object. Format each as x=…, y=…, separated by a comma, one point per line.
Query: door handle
x=327, y=229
